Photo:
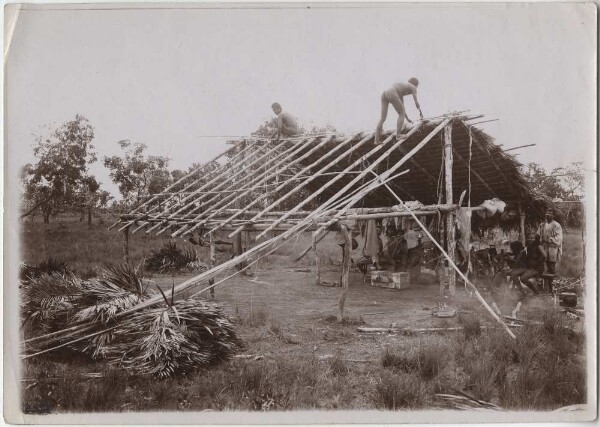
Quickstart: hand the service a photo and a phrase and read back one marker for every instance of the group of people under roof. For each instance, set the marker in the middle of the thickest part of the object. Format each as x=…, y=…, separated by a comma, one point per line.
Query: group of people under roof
x=541, y=253
x=287, y=125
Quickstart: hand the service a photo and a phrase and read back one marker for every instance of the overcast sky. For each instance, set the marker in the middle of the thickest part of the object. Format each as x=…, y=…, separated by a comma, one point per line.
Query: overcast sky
x=183, y=81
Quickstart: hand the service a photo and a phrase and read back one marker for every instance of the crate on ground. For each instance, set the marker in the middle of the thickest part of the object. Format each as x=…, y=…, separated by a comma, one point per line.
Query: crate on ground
x=390, y=279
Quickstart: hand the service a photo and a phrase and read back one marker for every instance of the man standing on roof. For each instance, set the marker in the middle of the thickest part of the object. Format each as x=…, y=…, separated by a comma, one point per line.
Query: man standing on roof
x=286, y=123
x=551, y=235
x=395, y=96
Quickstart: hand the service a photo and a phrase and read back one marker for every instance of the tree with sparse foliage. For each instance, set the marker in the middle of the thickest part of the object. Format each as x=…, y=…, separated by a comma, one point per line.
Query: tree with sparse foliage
x=562, y=184
x=137, y=174
x=56, y=180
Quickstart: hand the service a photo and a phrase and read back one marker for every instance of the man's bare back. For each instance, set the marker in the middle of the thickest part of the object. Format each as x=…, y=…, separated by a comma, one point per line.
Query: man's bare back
x=401, y=90
x=395, y=96
x=286, y=123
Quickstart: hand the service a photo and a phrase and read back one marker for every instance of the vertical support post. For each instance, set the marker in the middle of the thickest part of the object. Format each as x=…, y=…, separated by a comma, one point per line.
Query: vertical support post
x=345, y=269
x=237, y=250
x=212, y=260
x=522, y=224
x=126, y=245
x=317, y=260
x=450, y=229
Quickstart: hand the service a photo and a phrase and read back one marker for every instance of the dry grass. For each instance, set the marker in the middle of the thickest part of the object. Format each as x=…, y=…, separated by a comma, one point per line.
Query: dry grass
x=571, y=263
x=544, y=369
x=84, y=250
x=401, y=391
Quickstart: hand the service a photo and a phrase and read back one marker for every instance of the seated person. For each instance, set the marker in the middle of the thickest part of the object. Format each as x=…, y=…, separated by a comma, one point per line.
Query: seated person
x=529, y=265
x=511, y=260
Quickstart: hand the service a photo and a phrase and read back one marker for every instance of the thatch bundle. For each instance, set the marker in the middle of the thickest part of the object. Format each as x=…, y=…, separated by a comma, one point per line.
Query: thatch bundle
x=175, y=336
x=179, y=337
x=48, y=266
x=169, y=258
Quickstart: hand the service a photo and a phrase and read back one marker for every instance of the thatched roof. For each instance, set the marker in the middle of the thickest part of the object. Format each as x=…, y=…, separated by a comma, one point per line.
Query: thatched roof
x=309, y=171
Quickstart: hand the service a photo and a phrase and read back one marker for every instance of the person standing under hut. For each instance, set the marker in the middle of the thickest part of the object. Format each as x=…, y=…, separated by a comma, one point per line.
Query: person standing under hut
x=415, y=252
x=551, y=235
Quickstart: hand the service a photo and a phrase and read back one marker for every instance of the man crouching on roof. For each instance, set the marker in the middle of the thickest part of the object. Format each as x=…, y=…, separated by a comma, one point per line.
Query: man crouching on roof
x=395, y=96
x=286, y=123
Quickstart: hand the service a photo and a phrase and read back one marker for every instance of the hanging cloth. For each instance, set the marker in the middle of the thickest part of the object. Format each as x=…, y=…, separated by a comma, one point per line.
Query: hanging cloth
x=371, y=247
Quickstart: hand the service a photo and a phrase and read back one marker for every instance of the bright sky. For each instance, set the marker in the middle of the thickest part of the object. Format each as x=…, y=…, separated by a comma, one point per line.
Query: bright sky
x=179, y=79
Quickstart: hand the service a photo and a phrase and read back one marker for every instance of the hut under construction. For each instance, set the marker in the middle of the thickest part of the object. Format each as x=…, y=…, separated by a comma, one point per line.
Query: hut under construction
x=274, y=190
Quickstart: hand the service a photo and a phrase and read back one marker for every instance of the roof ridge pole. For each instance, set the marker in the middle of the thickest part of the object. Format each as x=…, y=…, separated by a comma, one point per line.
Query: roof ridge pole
x=183, y=178
x=218, y=173
x=181, y=208
x=450, y=228
x=263, y=177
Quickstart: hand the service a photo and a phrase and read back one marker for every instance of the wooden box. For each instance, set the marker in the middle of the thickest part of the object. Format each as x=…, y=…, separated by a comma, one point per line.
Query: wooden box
x=390, y=280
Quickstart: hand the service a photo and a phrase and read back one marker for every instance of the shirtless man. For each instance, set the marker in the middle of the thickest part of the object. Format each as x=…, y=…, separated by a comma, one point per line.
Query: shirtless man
x=394, y=96
x=286, y=123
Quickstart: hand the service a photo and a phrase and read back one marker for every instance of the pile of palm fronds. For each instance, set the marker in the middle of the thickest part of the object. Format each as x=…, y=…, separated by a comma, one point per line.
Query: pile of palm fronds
x=177, y=337
x=53, y=302
x=169, y=258
x=101, y=313
x=48, y=266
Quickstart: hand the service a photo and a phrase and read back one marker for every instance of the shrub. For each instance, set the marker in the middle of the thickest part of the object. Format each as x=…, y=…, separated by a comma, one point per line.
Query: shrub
x=471, y=325
x=400, y=391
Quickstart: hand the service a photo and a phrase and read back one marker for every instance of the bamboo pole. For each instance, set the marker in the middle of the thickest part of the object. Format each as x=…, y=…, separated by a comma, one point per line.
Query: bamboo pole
x=451, y=261
x=270, y=172
x=312, y=177
x=230, y=179
x=358, y=177
x=317, y=261
x=212, y=261
x=263, y=248
x=346, y=248
x=345, y=205
x=394, y=167
x=179, y=181
x=319, y=232
x=219, y=171
x=286, y=182
x=215, y=176
x=351, y=211
x=420, y=167
x=450, y=229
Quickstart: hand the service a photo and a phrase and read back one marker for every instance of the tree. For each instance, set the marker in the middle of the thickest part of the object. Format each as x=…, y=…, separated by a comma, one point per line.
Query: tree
x=92, y=198
x=54, y=182
x=543, y=182
x=136, y=174
x=562, y=184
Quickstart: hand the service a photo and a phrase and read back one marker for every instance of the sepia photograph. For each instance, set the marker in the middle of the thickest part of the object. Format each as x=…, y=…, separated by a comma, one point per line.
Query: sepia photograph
x=246, y=213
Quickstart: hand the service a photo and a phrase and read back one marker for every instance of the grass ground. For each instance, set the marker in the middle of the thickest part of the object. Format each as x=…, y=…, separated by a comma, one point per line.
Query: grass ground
x=298, y=357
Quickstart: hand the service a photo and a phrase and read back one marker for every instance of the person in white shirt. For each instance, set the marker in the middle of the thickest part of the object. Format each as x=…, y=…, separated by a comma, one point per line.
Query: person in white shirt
x=551, y=235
